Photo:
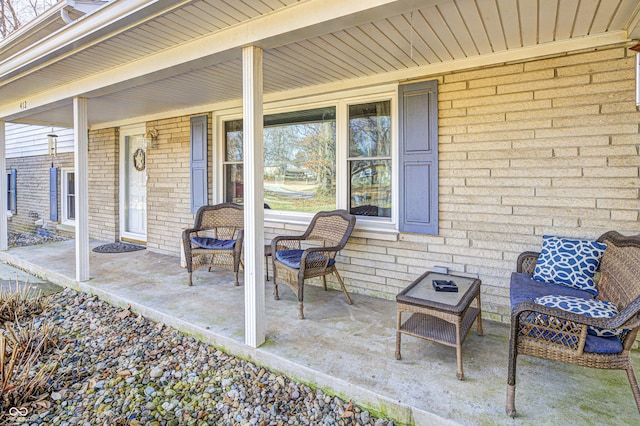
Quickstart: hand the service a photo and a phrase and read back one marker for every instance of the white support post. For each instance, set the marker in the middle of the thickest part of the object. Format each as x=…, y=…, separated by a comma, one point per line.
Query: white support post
x=3, y=190
x=253, y=196
x=81, y=163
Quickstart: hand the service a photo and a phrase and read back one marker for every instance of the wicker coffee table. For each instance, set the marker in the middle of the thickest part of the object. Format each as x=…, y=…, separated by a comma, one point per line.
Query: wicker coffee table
x=439, y=316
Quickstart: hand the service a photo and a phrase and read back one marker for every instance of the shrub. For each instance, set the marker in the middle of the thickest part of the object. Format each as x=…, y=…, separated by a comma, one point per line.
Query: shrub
x=26, y=368
x=20, y=302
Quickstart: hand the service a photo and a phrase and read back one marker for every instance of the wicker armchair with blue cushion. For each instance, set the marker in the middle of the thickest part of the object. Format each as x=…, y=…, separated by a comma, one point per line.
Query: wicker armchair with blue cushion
x=215, y=239
x=312, y=254
x=577, y=301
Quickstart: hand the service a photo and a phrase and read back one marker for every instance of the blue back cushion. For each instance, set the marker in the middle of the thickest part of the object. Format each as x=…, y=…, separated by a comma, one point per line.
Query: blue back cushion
x=569, y=262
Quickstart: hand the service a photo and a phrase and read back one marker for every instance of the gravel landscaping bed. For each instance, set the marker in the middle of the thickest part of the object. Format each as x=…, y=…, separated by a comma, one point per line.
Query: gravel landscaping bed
x=21, y=239
x=118, y=368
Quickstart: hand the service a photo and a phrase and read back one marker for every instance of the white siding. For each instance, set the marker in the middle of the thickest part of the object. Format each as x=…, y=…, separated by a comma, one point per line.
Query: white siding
x=25, y=140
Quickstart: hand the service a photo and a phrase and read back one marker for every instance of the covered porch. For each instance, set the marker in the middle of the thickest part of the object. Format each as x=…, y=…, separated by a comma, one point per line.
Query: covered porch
x=345, y=350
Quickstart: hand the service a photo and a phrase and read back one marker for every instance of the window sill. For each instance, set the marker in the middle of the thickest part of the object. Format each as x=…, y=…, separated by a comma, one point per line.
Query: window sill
x=365, y=228
x=66, y=227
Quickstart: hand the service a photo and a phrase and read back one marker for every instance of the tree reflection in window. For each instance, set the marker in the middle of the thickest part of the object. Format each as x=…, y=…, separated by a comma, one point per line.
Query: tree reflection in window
x=299, y=156
x=370, y=159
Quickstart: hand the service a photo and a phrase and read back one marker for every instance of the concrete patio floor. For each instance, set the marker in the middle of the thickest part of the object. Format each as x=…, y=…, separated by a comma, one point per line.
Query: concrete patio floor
x=346, y=350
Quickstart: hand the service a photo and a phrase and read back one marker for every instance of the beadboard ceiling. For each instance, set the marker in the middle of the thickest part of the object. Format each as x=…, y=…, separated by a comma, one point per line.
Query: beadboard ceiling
x=138, y=56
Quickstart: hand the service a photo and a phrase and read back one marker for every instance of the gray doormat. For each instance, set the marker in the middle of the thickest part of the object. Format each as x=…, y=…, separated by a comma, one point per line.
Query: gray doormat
x=118, y=247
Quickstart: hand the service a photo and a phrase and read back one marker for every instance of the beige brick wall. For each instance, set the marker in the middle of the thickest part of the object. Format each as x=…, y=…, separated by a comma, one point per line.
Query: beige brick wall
x=540, y=147
x=168, y=184
x=103, y=184
x=32, y=186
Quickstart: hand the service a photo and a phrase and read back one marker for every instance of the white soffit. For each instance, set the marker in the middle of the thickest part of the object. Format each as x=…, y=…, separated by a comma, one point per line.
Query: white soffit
x=400, y=42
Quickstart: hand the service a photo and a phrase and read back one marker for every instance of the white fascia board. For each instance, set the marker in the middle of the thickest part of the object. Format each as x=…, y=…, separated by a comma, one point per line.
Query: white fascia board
x=36, y=24
x=293, y=23
x=113, y=18
x=39, y=28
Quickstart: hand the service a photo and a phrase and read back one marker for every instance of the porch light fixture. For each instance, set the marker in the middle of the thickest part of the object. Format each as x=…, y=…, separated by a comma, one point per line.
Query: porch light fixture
x=52, y=138
x=636, y=48
x=151, y=138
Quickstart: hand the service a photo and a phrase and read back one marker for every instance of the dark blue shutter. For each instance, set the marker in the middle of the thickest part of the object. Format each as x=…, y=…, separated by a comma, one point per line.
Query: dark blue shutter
x=199, y=162
x=418, y=111
x=13, y=193
x=53, y=194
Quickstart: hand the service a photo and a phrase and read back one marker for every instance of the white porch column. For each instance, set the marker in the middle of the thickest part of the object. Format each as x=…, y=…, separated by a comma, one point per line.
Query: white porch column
x=81, y=164
x=254, y=311
x=3, y=189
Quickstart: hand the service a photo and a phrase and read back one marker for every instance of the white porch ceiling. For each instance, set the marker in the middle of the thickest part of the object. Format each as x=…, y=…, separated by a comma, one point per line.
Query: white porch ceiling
x=389, y=39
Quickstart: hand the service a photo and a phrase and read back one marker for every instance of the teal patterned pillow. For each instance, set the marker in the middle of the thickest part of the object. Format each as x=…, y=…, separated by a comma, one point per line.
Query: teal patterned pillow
x=569, y=262
x=589, y=307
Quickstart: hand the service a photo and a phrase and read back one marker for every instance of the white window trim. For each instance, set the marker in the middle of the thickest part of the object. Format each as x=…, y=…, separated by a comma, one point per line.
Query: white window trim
x=9, y=211
x=64, y=191
x=341, y=101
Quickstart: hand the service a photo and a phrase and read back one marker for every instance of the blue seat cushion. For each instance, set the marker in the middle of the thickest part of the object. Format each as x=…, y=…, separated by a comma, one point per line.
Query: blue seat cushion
x=588, y=307
x=213, y=243
x=603, y=345
x=292, y=258
x=525, y=289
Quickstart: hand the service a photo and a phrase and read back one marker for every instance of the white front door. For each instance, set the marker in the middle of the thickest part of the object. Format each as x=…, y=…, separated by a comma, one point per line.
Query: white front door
x=133, y=185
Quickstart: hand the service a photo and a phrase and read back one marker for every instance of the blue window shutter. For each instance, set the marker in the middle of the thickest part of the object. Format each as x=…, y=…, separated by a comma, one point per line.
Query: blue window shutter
x=53, y=194
x=418, y=171
x=199, y=162
x=12, y=203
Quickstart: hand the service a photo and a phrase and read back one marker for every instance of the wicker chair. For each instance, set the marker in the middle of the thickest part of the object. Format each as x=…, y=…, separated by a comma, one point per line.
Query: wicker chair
x=555, y=334
x=312, y=254
x=215, y=239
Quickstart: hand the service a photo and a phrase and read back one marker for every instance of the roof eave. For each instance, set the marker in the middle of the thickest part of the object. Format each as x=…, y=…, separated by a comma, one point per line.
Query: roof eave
x=40, y=26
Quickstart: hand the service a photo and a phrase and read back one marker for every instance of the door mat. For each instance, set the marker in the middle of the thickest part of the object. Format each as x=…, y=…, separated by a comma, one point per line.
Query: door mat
x=118, y=247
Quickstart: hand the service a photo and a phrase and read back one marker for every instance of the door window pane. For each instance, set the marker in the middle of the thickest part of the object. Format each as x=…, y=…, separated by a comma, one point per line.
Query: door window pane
x=370, y=159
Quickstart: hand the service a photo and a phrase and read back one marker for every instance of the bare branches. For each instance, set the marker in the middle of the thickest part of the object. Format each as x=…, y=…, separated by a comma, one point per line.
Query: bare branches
x=16, y=13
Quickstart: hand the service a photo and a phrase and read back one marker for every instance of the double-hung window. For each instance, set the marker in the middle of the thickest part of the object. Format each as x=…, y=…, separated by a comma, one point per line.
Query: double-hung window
x=370, y=159
x=12, y=197
x=68, y=197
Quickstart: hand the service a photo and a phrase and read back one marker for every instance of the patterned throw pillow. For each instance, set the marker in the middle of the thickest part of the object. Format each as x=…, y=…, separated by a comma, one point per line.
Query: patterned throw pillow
x=589, y=307
x=569, y=262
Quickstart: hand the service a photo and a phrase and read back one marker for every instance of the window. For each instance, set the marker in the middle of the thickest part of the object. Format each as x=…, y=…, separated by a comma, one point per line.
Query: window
x=299, y=160
x=68, y=197
x=370, y=159
x=373, y=154
x=12, y=196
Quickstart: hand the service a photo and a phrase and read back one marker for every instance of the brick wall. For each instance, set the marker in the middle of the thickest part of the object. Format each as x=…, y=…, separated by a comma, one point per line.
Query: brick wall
x=541, y=147
x=168, y=184
x=104, y=184
x=32, y=187
x=526, y=149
